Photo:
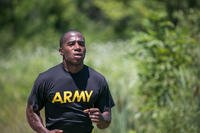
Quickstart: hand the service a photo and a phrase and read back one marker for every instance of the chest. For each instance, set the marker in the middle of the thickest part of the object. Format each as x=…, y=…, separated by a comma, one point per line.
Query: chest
x=69, y=90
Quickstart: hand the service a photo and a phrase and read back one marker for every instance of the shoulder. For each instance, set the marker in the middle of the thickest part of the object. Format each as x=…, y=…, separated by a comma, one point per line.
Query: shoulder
x=96, y=75
x=51, y=72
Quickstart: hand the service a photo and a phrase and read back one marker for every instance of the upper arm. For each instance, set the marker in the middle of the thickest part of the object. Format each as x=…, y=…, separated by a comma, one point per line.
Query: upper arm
x=35, y=103
x=104, y=101
x=32, y=115
x=36, y=99
x=34, y=119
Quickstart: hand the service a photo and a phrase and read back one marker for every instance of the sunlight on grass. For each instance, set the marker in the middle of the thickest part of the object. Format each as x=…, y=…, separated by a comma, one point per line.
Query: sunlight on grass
x=20, y=69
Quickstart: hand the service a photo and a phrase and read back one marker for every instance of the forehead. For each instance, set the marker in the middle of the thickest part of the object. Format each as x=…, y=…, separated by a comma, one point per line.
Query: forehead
x=71, y=36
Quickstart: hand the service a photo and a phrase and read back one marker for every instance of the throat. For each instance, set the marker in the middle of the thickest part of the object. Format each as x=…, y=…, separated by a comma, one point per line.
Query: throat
x=72, y=68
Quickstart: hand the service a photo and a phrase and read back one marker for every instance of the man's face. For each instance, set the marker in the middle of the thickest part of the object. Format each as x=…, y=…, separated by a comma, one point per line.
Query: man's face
x=73, y=50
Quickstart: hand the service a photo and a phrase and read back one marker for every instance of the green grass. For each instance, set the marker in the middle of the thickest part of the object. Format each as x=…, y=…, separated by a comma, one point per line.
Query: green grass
x=132, y=113
x=19, y=70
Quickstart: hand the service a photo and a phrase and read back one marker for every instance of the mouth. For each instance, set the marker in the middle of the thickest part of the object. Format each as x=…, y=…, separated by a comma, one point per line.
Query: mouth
x=78, y=55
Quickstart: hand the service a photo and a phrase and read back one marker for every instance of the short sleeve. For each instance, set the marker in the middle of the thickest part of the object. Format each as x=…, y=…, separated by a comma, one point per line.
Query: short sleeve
x=105, y=99
x=37, y=97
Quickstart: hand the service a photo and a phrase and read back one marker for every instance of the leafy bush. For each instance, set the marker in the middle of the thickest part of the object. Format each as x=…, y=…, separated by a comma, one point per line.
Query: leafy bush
x=152, y=67
x=167, y=82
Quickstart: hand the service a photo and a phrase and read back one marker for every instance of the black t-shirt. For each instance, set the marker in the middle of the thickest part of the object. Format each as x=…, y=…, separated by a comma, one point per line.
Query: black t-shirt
x=65, y=96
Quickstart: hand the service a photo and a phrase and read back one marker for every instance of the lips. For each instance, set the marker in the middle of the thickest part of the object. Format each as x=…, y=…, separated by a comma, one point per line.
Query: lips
x=78, y=55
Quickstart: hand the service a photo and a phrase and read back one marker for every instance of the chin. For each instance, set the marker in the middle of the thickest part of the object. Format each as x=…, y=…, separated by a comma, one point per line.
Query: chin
x=77, y=63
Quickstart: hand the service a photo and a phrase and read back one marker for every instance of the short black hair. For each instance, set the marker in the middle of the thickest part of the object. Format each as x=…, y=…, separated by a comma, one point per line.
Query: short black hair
x=63, y=39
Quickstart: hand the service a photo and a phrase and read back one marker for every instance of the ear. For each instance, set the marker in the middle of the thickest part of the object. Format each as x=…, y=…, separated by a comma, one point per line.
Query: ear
x=61, y=51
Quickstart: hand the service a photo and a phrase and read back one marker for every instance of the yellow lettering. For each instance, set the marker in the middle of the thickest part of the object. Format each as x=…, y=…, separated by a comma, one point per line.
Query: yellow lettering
x=88, y=95
x=57, y=98
x=67, y=96
x=79, y=96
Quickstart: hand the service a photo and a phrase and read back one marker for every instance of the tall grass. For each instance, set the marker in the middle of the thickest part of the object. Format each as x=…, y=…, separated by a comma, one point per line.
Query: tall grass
x=18, y=72
x=112, y=60
x=21, y=67
x=115, y=60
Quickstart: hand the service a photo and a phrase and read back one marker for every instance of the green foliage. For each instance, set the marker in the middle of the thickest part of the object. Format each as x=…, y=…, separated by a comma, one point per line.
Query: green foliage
x=148, y=51
x=18, y=72
x=167, y=80
x=111, y=59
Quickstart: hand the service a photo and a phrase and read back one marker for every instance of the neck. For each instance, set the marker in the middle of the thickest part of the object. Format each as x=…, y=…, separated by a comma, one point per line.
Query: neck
x=72, y=68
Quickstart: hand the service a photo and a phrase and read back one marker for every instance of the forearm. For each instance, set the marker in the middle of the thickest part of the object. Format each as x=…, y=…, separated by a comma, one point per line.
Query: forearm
x=35, y=120
x=106, y=120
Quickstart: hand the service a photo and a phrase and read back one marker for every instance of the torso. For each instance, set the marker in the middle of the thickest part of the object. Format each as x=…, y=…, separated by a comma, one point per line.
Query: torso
x=67, y=95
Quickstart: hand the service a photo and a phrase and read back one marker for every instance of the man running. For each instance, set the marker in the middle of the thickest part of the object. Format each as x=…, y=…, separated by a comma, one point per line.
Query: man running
x=74, y=95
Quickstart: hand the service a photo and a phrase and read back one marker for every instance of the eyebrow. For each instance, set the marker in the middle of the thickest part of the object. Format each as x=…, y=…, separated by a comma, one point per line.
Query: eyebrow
x=75, y=39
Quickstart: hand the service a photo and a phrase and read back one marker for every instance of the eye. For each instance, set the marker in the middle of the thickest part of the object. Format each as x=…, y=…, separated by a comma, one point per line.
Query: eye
x=71, y=43
x=82, y=43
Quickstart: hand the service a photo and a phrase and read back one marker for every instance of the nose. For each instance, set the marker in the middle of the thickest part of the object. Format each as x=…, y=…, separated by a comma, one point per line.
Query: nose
x=76, y=46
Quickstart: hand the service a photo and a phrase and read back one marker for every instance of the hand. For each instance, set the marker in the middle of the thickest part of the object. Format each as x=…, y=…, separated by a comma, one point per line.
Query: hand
x=95, y=115
x=56, y=131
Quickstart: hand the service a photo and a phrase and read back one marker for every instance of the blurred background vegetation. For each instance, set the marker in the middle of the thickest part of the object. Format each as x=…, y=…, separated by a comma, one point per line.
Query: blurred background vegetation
x=147, y=49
